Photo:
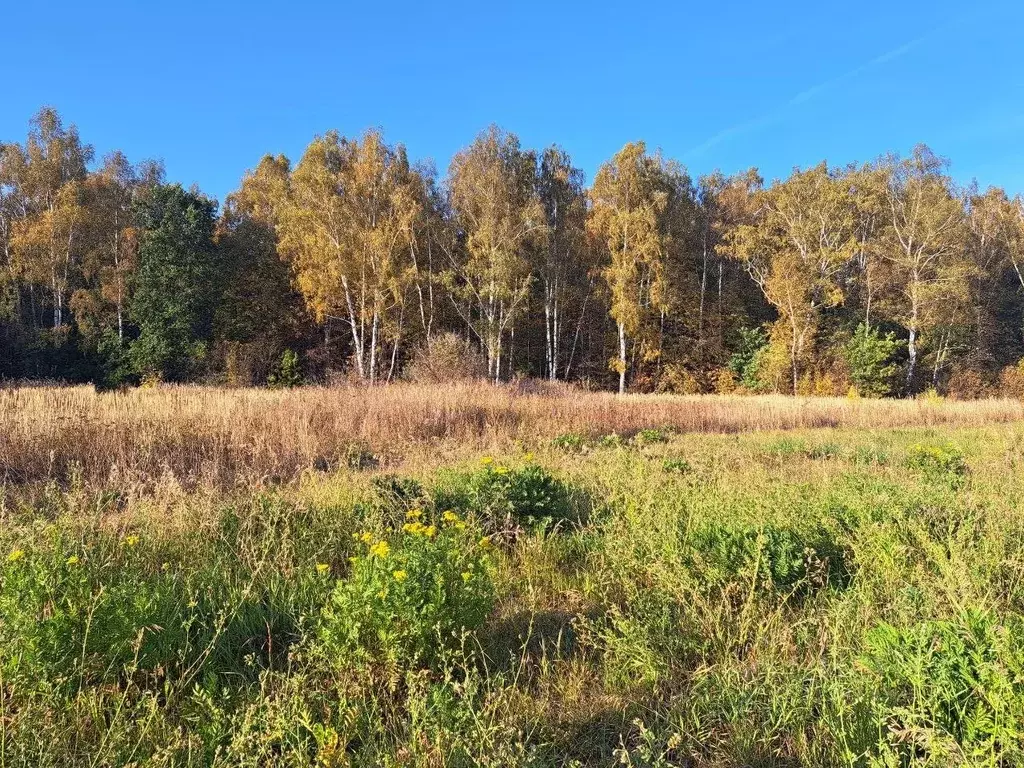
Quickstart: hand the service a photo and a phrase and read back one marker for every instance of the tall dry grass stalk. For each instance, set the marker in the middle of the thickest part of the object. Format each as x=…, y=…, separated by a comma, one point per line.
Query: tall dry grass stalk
x=222, y=435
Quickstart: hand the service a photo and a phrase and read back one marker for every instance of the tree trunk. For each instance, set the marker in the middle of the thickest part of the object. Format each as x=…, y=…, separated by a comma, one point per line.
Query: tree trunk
x=912, y=359
x=622, y=359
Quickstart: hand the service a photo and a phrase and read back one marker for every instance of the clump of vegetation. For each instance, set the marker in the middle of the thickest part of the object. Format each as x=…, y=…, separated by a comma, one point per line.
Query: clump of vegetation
x=287, y=373
x=871, y=358
x=444, y=359
x=945, y=689
x=778, y=556
x=943, y=460
x=612, y=440
x=824, y=451
x=650, y=437
x=409, y=595
x=506, y=498
x=570, y=442
x=676, y=465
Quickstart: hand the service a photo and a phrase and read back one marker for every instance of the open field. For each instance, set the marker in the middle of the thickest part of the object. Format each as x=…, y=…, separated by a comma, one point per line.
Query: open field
x=228, y=436
x=474, y=576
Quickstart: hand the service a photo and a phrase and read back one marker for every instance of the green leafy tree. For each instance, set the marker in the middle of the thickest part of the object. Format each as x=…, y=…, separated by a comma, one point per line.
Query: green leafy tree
x=871, y=357
x=177, y=282
x=745, y=361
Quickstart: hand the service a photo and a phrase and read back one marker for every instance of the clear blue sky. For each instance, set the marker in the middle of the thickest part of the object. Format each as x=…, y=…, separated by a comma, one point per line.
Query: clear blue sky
x=211, y=87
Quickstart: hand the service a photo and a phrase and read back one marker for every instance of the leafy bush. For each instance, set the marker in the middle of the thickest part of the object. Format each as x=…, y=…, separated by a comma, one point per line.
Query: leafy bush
x=870, y=355
x=937, y=460
x=680, y=466
x=502, y=497
x=571, y=442
x=774, y=555
x=745, y=362
x=288, y=371
x=650, y=437
x=612, y=440
x=409, y=595
x=824, y=451
x=949, y=691
x=101, y=611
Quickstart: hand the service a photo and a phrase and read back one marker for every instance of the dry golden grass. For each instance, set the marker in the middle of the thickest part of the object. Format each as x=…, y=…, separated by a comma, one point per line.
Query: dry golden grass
x=223, y=435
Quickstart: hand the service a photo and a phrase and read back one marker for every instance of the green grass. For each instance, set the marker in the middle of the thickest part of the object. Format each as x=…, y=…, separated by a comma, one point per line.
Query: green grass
x=820, y=598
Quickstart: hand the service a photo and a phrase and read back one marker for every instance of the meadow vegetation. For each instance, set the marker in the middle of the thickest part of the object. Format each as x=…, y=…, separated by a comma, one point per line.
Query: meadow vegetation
x=492, y=576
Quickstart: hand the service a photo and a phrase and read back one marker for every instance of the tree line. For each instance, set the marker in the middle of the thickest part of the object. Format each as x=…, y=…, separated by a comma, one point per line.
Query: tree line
x=885, y=278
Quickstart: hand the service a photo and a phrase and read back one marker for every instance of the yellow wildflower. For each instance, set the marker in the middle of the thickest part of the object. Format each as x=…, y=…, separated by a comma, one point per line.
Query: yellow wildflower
x=414, y=514
x=16, y=555
x=380, y=549
x=485, y=542
x=400, y=576
x=528, y=457
x=487, y=460
x=449, y=516
x=413, y=528
x=322, y=567
x=501, y=470
x=131, y=540
x=430, y=531
x=460, y=526
x=73, y=560
x=466, y=576
x=366, y=538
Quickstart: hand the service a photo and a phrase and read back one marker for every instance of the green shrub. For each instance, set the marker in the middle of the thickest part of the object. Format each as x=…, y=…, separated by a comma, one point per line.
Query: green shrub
x=287, y=373
x=679, y=466
x=949, y=692
x=745, y=362
x=500, y=496
x=867, y=455
x=937, y=460
x=613, y=440
x=869, y=354
x=409, y=595
x=774, y=555
x=570, y=442
x=785, y=447
x=650, y=437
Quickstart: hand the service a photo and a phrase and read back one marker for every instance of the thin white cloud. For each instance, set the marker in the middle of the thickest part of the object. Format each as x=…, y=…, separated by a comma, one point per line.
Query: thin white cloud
x=778, y=114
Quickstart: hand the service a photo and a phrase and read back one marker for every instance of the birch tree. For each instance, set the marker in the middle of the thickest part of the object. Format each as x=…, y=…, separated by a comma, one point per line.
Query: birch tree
x=802, y=236
x=346, y=227
x=561, y=268
x=924, y=245
x=498, y=216
x=628, y=203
